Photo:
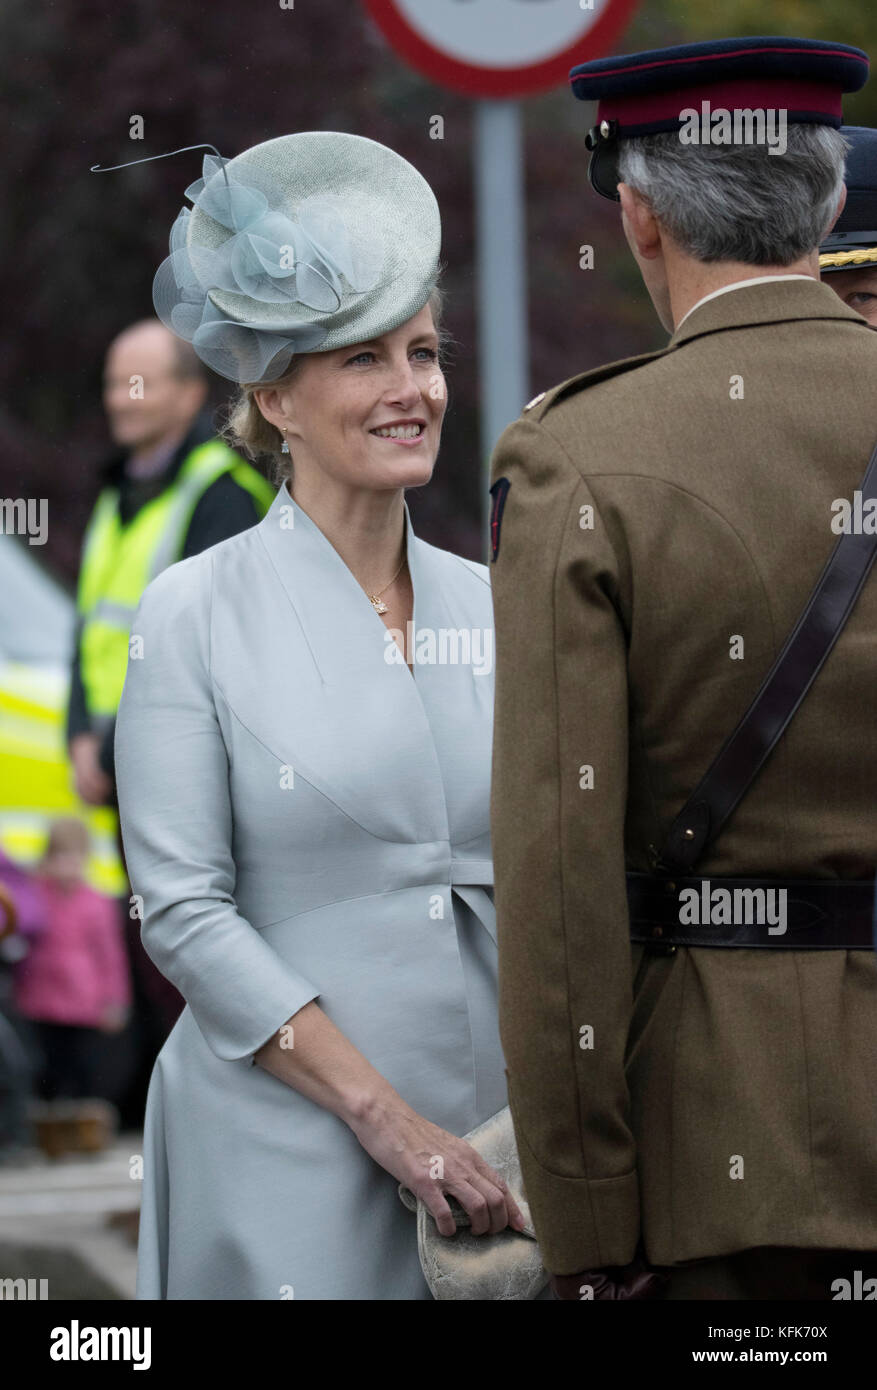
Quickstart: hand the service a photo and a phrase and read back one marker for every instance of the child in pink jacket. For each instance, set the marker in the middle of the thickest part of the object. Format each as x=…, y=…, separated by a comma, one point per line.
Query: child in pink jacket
x=74, y=983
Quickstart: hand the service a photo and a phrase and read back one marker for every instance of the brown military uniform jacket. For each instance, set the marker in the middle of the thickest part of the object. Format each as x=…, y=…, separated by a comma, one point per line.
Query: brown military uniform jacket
x=710, y=1100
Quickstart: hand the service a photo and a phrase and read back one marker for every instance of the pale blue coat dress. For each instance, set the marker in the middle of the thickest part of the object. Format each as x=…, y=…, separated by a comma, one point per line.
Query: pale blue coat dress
x=304, y=820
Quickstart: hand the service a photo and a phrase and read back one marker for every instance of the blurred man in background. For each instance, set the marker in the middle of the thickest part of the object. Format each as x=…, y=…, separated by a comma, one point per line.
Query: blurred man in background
x=169, y=491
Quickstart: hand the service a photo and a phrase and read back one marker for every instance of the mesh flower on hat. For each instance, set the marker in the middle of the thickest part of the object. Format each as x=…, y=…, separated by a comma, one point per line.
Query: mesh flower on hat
x=300, y=267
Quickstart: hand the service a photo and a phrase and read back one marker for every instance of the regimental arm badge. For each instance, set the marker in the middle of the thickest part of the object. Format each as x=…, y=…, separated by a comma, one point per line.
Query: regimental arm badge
x=499, y=493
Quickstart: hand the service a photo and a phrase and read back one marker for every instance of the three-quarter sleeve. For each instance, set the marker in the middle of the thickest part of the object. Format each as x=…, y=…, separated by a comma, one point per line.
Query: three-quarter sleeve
x=172, y=776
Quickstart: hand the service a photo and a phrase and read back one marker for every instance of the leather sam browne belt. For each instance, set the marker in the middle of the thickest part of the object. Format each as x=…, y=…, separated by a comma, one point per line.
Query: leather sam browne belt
x=818, y=914
x=826, y=914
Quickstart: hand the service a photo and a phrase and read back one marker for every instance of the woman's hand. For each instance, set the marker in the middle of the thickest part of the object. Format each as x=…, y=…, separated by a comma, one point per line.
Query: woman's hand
x=432, y=1162
x=311, y=1054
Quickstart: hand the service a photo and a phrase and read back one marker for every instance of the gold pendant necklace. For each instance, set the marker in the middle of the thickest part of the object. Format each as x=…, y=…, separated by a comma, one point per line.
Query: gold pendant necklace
x=376, y=601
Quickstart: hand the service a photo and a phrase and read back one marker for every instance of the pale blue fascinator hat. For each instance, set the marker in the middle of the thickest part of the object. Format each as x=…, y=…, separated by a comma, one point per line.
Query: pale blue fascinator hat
x=305, y=243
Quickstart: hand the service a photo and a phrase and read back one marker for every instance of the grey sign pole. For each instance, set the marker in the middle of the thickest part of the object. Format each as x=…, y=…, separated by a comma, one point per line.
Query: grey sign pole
x=503, y=356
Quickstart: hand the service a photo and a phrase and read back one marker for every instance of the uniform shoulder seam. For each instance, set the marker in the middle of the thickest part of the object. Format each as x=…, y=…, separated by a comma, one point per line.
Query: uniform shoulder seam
x=539, y=407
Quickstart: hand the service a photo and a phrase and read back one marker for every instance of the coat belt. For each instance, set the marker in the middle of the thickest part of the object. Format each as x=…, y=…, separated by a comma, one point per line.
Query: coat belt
x=467, y=874
x=819, y=914
x=472, y=871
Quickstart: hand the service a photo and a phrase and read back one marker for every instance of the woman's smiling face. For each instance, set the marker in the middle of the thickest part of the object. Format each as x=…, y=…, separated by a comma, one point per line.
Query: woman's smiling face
x=370, y=415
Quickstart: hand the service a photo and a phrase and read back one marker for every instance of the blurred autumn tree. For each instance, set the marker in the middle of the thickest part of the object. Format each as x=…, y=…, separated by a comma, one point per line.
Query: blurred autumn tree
x=81, y=249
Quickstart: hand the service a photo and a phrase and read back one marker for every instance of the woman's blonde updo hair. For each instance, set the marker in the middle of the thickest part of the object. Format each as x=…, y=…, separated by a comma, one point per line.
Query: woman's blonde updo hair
x=247, y=430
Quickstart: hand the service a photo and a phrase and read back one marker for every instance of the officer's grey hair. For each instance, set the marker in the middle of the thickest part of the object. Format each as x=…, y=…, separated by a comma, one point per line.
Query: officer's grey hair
x=740, y=202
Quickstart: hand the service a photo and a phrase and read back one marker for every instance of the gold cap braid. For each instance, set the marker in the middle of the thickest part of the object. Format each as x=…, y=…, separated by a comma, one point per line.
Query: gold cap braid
x=834, y=260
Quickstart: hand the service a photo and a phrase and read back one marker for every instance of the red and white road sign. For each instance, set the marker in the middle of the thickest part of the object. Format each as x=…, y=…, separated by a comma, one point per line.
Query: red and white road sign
x=500, y=48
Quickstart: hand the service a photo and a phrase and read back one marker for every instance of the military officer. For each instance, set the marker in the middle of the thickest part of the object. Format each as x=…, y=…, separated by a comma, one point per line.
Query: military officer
x=848, y=257
x=693, y=1084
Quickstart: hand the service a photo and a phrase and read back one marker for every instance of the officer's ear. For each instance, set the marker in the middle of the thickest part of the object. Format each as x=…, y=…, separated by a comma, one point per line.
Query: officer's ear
x=639, y=222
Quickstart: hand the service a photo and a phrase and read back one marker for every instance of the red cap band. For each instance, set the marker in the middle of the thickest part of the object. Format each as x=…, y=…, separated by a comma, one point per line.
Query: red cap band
x=776, y=94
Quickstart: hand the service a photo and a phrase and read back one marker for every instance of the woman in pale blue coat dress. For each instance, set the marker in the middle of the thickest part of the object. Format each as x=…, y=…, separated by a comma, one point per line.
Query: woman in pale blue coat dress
x=303, y=779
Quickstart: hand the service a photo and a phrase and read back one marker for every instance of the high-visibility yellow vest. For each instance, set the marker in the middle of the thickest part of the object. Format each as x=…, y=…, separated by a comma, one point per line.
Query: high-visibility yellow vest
x=35, y=781
x=119, y=561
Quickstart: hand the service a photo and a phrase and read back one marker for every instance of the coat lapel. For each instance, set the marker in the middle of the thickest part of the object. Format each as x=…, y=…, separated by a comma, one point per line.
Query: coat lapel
x=306, y=671
x=454, y=665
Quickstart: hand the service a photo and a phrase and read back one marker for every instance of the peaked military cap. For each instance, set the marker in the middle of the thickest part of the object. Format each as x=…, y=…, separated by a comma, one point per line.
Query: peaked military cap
x=644, y=93
x=853, y=240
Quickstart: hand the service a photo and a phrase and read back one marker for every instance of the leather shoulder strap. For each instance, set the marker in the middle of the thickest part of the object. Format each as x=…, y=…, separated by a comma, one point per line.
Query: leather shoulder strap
x=758, y=732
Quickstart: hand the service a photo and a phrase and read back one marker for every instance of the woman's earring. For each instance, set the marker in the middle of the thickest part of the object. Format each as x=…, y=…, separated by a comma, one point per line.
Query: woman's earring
x=284, y=448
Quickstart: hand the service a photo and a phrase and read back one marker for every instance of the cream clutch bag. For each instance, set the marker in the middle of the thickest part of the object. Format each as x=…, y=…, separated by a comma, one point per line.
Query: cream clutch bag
x=504, y=1266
